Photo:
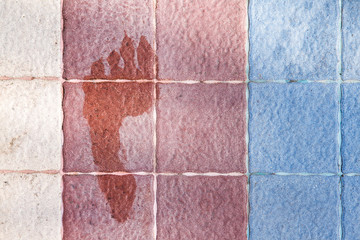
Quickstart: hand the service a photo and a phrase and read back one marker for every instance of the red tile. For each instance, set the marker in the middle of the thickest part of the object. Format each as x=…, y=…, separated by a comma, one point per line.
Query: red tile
x=108, y=127
x=108, y=207
x=201, y=127
x=108, y=39
x=201, y=207
x=203, y=39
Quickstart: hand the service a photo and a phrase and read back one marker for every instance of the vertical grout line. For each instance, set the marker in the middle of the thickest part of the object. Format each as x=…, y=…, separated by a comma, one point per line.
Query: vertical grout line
x=63, y=116
x=247, y=139
x=340, y=81
x=155, y=122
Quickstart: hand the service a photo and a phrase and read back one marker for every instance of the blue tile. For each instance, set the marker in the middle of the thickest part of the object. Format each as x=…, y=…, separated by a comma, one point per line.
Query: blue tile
x=294, y=207
x=293, y=127
x=351, y=207
x=350, y=127
x=351, y=40
x=294, y=39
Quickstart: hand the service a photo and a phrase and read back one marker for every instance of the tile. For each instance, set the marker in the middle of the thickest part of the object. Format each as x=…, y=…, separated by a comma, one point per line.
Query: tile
x=108, y=39
x=201, y=127
x=294, y=207
x=108, y=207
x=31, y=135
x=350, y=128
x=108, y=127
x=294, y=40
x=30, y=206
x=30, y=38
x=350, y=40
x=293, y=127
x=201, y=207
x=202, y=40
x=350, y=207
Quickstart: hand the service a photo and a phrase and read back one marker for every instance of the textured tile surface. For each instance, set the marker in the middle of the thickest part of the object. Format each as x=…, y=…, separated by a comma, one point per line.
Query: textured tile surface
x=108, y=127
x=351, y=208
x=108, y=207
x=293, y=127
x=201, y=127
x=30, y=125
x=201, y=207
x=294, y=207
x=202, y=39
x=30, y=38
x=351, y=39
x=30, y=206
x=294, y=40
x=108, y=39
x=350, y=127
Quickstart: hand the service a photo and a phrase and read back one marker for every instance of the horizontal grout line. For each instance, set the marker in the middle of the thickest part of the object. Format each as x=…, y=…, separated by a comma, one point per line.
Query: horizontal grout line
x=27, y=78
x=180, y=173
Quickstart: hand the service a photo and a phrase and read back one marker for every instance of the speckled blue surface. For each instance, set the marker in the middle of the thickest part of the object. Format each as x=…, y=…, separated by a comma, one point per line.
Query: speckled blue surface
x=351, y=39
x=350, y=127
x=351, y=208
x=293, y=127
x=294, y=39
x=294, y=207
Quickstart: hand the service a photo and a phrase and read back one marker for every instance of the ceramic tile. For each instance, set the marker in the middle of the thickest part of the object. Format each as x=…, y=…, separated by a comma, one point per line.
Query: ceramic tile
x=294, y=40
x=30, y=38
x=350, y=199
x=201, y=127
x=108, y=39
x=108, y=127
x=30, y=125
x=202, y=40
x=30, y=206
x=108, y=207
x=294, y=127
x=294, y=207
x=200, y=207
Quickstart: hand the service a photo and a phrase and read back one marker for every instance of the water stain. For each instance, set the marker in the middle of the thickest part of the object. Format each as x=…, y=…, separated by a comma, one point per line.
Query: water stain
x=105, y=107
x=145, y=58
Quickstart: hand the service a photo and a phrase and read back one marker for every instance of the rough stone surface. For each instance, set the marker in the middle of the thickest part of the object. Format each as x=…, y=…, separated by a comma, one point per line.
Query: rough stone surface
x=351, y=209
x=30, y=124
x=294, y=207
x=351, y=40
x=125, y=130
x=30, y=206
x=201, y=127
x=91, y=211
x=201, y=207
x=296, y=40
x=94, y=29
x=293, y=127
x=350, y=128
x=202, y=39
x=30, y=38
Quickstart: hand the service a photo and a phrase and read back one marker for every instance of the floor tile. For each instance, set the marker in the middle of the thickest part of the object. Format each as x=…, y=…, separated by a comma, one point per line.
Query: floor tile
x=108, y=127
x=31, y=126
x=201, y=127
x=294, y=127
x=294, y=207
x=202, y=40
x=108, y=39
x=350, y=127
x=108, y=207
x=30, y=206
x=30, y=38
x=201, y=207
x=294, y=40
x=350, y=206
x=350, y=40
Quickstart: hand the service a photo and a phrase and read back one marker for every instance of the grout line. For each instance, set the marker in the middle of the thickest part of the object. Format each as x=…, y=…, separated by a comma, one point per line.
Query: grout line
x=341, y=232
x=247, y=138
x=155, y=124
